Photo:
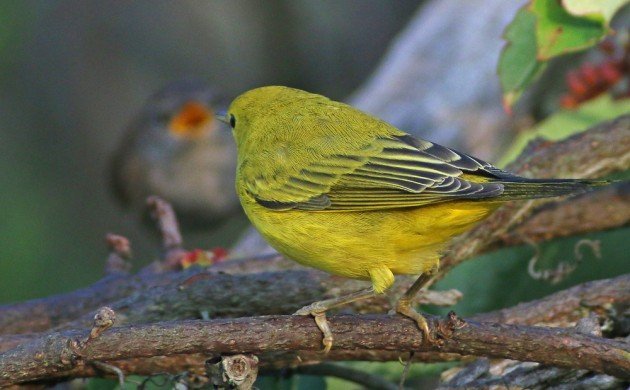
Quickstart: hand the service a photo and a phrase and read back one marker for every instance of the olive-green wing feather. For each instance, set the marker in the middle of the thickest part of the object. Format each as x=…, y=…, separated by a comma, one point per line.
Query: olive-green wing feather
x=391, y=172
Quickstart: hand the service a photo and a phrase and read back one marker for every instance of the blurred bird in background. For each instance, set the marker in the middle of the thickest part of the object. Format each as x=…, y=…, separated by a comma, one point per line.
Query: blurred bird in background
x=177, y=149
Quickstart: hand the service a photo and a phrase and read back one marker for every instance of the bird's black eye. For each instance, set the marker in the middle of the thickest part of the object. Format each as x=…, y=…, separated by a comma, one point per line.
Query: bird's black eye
x=232, y=121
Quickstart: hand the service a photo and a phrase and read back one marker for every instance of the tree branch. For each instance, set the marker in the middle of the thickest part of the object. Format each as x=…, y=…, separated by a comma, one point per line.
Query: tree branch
x=602, y=209
x=562, y=308
x=55, y=354
x=274, y=361
x=484, y=374
x=191, y=293
x=567, y=306
x=256, y=294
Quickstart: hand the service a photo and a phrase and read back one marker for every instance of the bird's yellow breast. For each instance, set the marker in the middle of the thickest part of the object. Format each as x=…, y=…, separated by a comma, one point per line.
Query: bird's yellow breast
x=362, y=244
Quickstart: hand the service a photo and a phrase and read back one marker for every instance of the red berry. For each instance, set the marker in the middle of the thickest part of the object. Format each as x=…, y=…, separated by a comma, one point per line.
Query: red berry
x=576, y=85
x=568, y=101
x=610, y=72
x=589, y=74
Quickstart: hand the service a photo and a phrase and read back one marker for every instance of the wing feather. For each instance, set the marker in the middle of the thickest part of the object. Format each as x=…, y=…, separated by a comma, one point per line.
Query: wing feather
x=391, y=172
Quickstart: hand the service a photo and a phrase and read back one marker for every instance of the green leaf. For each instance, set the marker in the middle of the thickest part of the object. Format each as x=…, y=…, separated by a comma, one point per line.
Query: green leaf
x=518, y=65
x=568, y=122
x=559, y=32
x=543, y=29
x=598, y=10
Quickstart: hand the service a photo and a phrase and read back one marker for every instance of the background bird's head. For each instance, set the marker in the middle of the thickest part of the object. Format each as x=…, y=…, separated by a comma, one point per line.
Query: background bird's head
x=181, y=114
x=178, y=149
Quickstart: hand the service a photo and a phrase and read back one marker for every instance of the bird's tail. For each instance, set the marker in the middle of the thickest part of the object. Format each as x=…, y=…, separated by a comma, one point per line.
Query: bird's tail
x=522, y=188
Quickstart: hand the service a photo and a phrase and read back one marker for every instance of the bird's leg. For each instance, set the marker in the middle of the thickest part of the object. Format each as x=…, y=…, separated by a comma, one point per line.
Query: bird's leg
x=318, y=311
x=403, y=306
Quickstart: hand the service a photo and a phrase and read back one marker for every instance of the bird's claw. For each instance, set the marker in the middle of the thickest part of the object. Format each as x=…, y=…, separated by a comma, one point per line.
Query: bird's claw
x=324, y=326
x=404, y=308
x=321, y=321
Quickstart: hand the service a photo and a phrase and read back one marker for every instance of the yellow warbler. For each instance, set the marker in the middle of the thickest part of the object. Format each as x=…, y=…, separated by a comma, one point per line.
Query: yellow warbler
x=334, y=188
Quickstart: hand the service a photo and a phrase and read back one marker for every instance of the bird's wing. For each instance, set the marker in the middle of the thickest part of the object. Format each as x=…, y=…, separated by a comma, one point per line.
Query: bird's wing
x=392, y=172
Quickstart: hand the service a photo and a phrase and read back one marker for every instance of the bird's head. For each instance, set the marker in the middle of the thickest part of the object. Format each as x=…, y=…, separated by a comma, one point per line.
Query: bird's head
x=259, y=112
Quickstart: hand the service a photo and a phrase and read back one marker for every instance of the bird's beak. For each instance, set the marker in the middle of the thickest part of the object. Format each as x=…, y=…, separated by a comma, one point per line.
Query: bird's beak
x=223, y=118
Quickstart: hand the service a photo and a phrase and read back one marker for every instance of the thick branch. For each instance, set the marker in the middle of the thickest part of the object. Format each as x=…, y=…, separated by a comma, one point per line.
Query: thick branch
x=272, y=361
x=192, y=295
x=54, y=355
x=598, y=210
x=222, y=295
x=563, y=308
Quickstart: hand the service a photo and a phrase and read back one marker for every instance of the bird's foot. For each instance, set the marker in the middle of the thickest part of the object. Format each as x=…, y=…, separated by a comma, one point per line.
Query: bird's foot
x=319, y=314
x=403, y=306
x=318, y=311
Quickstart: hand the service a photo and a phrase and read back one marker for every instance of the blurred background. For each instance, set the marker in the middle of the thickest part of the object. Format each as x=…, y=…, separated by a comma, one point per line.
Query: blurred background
x=73, y=74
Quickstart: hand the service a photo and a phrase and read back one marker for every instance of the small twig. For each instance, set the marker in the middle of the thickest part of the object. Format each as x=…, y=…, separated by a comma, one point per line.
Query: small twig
x=405, y=373
x=120, y=252
x=172, y=242
x=365, y=379
x=73, y=349
x=163, y=213
x=114, y=369
x=103, y=320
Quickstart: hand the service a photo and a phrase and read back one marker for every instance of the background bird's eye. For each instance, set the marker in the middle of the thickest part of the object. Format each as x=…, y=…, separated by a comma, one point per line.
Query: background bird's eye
x=232, y=121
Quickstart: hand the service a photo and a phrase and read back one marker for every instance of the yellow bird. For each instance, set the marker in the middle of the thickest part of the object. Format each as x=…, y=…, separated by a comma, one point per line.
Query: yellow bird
x=334, y=188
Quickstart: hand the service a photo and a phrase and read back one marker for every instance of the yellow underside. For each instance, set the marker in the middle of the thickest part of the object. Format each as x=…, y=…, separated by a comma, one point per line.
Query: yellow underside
x=373, y=245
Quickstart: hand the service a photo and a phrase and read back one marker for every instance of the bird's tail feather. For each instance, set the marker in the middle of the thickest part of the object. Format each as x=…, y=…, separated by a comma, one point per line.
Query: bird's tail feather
x=521, y=188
